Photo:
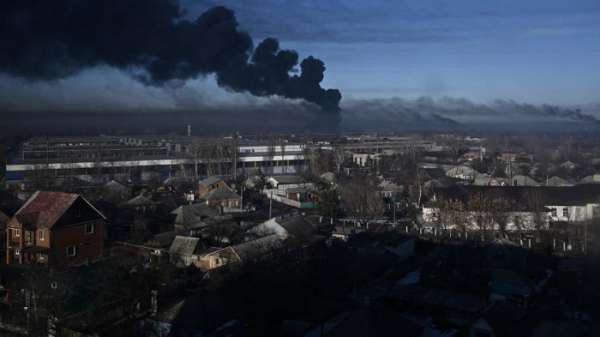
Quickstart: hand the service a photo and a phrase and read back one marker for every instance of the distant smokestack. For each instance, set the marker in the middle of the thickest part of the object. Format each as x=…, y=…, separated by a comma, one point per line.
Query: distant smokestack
x=189, y=130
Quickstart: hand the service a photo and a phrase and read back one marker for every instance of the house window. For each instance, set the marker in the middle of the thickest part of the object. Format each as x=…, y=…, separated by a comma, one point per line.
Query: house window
x=90, y=229
x=17, y=232
x=17, y=252
x=71, y=250
x=554, y=212
x=41, y=235
x=566, y=212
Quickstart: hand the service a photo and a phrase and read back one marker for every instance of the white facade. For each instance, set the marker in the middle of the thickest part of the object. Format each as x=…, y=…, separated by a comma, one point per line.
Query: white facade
x=360, y=159
x=524, y=221
x=574, y=213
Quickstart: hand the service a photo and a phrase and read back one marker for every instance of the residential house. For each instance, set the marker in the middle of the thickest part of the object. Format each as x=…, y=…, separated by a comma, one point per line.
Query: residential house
x=191, y=220
x=522, y=180
x=246, y=252
x=115, y=192
x=209, y=184
x=560, y=204
x=282, y=183
x=363, y=159
x=264, y=241
x=568, y=165
x=185, y=250
x=292, y=190
x=487, y=180
x=55, y=229
x=215, y=192
x=140, y=203
x=3, y=223
x=593, y=179
x=298, y=227
x=345, y=232
x=389, y=189
x=520, y=214
x=462, y=172
x=557, y=181
x=223, y=197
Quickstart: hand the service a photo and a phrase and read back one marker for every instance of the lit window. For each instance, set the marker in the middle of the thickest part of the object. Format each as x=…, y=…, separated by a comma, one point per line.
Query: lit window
x=71, y=250
x=17, y=252
x=565, y=212
x=41, y=235
x=17, y=232
x=90, y=229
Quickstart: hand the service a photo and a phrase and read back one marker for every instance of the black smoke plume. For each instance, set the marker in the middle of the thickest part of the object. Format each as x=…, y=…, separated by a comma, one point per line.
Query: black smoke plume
x=46, y=40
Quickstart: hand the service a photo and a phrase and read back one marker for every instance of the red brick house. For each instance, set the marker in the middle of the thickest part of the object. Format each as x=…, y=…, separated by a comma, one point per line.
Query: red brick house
x=55, y=229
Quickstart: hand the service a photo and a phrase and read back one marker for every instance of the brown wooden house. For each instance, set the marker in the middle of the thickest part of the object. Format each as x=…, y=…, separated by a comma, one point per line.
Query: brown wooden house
x=57, y=230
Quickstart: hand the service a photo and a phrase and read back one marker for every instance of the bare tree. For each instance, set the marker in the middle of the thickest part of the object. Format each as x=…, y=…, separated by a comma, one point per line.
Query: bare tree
x=362, y=198
x=500, y=214
x=339, y=156
x=453, y=215
x=536, y=203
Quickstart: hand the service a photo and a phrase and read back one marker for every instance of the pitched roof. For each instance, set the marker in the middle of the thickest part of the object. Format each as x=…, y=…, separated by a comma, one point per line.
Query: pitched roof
x=140, y=200
x=288, y=179
x=194, y=215
x=523, y=180
x=185, y=245
x=461, y=170
x=44, y=209
x=209, y=181
x=557, y=181
x=550, y=195
x=115, y=186
x=299, y=226
x=593, y=179
x=221, y=193
x=257, y=249
x=3, y=218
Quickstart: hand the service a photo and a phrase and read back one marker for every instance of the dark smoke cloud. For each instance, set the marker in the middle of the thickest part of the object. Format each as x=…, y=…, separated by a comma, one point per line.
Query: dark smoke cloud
x=47, y=40
x=428, y=112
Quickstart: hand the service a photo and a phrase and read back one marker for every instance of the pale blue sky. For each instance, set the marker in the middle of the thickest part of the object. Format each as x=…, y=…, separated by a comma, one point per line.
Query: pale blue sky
x=539, y=51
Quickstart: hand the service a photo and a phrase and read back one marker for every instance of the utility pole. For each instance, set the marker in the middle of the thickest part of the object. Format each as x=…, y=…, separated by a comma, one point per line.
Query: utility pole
x=271, y=205
x=242, y=198
x=235, y=155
